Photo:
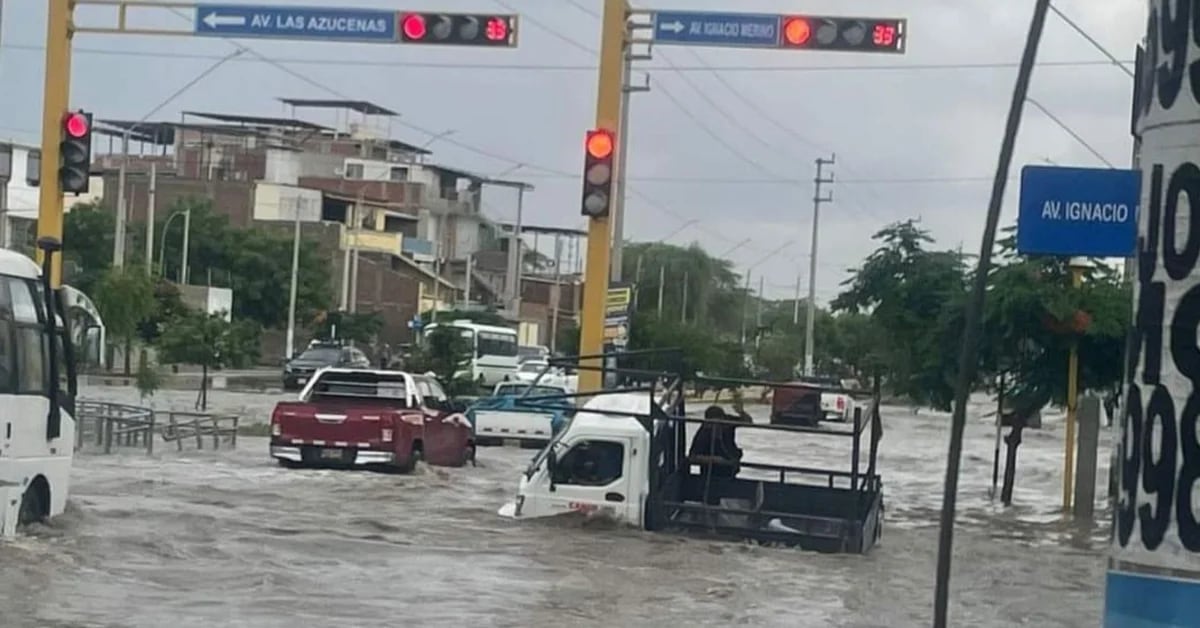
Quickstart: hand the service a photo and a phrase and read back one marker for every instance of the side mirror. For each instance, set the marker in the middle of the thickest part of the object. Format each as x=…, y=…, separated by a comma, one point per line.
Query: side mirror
x=551, y=465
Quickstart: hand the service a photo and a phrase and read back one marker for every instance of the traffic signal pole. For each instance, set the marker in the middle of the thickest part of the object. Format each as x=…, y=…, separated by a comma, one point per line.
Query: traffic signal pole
x=608, y=114
x=55, y=100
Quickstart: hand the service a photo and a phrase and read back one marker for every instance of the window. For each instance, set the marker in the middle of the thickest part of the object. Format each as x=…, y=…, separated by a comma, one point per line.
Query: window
x=398, y=173
x=25, y=309
x=7, y=358
x=492, y=343
x=438, y=393
x=591, y=463
x=31, y=361
x=354, y=171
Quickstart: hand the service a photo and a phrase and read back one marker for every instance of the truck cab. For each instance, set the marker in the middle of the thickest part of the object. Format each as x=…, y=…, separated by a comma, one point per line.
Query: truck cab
x=371, y=418
x=625, y=456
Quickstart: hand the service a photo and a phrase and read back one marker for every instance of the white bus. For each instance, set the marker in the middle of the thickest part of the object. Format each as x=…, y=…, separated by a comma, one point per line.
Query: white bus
x=494, y=356
x=37, y=396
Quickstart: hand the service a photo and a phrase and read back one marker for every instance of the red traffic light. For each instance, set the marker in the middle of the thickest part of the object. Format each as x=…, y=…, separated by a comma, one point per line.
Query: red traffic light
x=600, y=143
x=497, y=29
x=76, y=125
x=414, y=26
x=796, y=31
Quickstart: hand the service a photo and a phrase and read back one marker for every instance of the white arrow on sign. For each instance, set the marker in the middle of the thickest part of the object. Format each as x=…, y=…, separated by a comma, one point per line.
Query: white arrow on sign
x=213, y=20
x=676, y=27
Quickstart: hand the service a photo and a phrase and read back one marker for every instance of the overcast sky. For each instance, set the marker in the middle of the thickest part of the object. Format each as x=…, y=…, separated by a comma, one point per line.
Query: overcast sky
x=774, y=112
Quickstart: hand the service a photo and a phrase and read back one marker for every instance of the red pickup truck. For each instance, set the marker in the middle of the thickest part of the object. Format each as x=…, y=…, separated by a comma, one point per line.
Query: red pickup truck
x=368, y=418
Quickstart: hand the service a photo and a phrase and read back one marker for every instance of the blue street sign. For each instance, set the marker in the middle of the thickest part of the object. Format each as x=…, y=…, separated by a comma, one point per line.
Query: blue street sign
x=1089, y=212
x=698, y=28
x=327, y=23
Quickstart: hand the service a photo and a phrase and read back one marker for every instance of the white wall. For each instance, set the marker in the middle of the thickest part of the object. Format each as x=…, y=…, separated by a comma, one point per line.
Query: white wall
x=23, y=199
x=283, y=166
x=278, y=202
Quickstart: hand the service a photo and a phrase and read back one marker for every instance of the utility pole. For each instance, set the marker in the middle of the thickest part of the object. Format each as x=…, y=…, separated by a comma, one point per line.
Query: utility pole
x=662, y=283
x=350, y=235
x=291, y=320
x=470, y=272
x=812, y=264
x=618, y=213
x=758, y=312
x=796, y=303
x=745, y=307
x=556, y=294
x=683, y=310
x=122, y=214
x=613, y=26
x=187, y=234
x=150, y=210
x=6, y=155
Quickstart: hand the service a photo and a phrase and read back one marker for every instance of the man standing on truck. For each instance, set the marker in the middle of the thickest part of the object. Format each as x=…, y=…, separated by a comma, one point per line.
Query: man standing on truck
x=714, y=446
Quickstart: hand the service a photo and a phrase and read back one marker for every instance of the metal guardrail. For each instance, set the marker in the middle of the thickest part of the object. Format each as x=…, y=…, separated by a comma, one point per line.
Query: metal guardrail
x=116, y=425
x=186, y=425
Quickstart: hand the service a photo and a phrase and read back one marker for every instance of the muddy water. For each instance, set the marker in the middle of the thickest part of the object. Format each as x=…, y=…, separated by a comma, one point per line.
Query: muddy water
x=228, y=539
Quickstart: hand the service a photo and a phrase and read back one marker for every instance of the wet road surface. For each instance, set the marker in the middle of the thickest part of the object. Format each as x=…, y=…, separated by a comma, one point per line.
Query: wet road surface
x=229, y=539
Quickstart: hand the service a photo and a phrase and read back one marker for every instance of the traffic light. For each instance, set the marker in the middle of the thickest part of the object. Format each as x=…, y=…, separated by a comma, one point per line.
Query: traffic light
x=846, y=34
x=75, y=152
x=598, y=172
x=459, y=29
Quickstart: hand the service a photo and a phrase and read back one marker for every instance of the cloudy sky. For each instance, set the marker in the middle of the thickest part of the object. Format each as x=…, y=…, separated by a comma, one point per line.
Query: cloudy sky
x=726, y=138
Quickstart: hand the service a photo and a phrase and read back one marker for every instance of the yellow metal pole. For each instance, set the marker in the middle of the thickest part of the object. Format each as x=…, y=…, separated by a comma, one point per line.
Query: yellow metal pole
x=1072, y=404
x=54, y=104
x=608, y=113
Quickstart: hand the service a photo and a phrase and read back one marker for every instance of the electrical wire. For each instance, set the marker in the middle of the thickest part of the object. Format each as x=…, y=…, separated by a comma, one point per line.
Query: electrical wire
x=1092, y=40
x=1062, y=125
x=566, y=67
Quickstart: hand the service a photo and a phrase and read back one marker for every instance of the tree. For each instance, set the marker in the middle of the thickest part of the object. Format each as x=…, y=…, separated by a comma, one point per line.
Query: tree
x=1032, y=317
x=88, y=233
x=915, y=298
x=255, y=263
x=209, y=341
x=445, y=353
x=125, y=298
x=713, y=295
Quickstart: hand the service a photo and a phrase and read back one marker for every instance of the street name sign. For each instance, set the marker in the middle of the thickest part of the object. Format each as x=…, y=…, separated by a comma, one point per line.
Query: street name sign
x=702, y=28
x=1088, y=212
x=321, y=23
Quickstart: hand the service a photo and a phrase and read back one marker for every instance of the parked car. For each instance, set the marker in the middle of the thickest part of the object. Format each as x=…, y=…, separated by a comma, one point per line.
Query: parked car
x=300, y=369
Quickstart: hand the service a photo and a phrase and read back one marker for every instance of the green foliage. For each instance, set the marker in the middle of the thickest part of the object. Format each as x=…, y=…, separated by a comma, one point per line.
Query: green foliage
x=915, y=298
x=169, y=306
x=713, y=295
x=353, y=326
x=445, y=353
x=567, y=342
x=88, y=234
x=256, y=263
x=208, y=340
x=147, y=380
x=125, y=298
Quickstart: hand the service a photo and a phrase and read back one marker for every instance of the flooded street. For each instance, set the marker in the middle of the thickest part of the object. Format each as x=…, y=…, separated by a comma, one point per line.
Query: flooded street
x=229, y=539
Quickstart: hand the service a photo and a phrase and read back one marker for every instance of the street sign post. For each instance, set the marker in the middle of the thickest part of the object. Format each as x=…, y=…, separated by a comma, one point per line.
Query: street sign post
x=323, y=23
x=1087, y=212
x=699, y=28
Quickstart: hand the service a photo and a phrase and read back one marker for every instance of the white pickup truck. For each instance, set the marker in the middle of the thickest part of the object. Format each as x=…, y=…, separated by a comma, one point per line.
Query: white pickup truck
x=511, y=413
x=835, y=405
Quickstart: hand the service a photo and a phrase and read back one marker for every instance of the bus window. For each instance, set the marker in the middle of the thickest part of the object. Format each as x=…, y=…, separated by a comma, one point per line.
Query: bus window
x=491, y=343
x=25, y=309
x=31, y=356
x=7, y=358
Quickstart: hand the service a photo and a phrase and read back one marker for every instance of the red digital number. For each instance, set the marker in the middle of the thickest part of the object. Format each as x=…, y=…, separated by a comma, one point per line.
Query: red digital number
x=884, y=35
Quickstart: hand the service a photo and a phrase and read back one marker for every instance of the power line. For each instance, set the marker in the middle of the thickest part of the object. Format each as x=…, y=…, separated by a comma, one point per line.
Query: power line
x=567, y=67
x=1062, y=125
x=1092, y=40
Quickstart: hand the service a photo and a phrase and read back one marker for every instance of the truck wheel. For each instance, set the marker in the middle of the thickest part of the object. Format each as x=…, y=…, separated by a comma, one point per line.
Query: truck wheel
x=32, y=508
x=413, y=459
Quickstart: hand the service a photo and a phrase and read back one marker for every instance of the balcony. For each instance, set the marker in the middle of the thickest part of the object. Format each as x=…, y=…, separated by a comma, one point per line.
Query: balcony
x=372, y=241
x=420, y=250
